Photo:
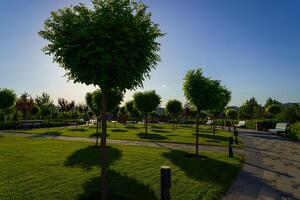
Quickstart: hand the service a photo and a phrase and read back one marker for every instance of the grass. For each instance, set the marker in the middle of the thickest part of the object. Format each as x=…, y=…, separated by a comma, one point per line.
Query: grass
x=35, y=168
x=156, y=132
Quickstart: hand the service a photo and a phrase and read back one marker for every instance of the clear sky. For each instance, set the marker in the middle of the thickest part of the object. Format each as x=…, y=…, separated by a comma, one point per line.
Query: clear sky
x=253, y=47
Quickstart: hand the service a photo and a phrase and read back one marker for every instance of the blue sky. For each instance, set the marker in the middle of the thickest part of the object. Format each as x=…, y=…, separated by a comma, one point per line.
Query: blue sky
x=253, y=47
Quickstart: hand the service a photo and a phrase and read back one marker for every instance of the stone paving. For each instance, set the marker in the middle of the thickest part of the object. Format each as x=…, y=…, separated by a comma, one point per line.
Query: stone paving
x=271, y=169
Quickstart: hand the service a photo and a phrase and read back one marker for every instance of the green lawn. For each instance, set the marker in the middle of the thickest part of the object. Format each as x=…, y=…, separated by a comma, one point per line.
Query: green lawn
x=35, y=168
x=157, y=132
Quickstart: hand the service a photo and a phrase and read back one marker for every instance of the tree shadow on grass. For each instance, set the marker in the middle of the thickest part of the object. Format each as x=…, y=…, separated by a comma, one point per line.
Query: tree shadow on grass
x=131, y=127
x=214, y=138
x=204, y=168
x=92, y=156
x=160, y=131
x=120, y=187
x=78, y=129
x=49, y=133
x=157, y=127
x=118, y=130
x=93, y=135
x=151, y=136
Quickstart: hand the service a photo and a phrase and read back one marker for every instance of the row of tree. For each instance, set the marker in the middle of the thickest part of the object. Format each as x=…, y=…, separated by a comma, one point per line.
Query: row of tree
x=13, y=108
x=272, y=109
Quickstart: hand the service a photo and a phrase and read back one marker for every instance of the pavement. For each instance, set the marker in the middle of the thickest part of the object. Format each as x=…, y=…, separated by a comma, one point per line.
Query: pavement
x=271, y=169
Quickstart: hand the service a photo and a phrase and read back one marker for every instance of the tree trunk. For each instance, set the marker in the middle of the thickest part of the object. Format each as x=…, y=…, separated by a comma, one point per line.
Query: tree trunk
x=146, y=124
x=104, y=173
x=197, y=137
x=97, y=131
x=173, y=124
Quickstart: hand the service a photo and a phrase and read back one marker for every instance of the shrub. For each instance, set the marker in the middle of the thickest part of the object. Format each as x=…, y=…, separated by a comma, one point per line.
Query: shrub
x=295, y=130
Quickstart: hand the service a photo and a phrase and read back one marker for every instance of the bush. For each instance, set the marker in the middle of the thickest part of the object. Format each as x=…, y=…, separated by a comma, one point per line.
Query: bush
x=263, y=125
x=295, y=130
x=6, y=126
x=44, y=124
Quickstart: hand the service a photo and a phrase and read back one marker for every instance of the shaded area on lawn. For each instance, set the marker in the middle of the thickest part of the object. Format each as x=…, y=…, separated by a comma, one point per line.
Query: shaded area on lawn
x=50, y=133
x=216, y=172
x=160, y=131
x=92, y=156
x=78, y=129
x=118, y=130
x=212, y=138
x=151, y=136
x=121, y=187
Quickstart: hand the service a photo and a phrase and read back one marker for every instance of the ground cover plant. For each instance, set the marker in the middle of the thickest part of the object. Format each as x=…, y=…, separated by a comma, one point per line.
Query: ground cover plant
x=39, y=168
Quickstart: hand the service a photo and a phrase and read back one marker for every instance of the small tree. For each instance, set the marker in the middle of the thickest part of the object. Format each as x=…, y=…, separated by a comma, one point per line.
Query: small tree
x=7, y=100
x=93, y=101
x=201, y=92
x=146, y=102
x=219, y=100
x=132, y=110
x=25, y=104
x=273, y=109
x=231, y=114
x=112, y=45
x=174, y=108
x=123, y=115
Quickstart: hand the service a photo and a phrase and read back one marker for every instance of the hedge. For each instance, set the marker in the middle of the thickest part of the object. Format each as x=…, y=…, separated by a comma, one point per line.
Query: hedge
x=295, y=130
x=44, y=124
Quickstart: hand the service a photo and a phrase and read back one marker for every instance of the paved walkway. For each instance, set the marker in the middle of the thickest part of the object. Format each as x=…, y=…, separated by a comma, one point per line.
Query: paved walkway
x=271, y=169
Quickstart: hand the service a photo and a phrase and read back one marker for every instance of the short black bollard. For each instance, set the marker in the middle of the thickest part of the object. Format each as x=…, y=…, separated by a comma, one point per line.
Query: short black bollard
x=230, y=141
x=165, y=182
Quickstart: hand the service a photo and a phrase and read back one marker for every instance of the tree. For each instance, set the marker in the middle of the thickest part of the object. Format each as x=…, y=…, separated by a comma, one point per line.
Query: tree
x=7, y=100
x=250, y=109
x=231, y=114
x=123, y=115
x=112, y=45
x=220, y=98
x=25, y=104
x=201, y=92
x=174, y=108
x=273, y=109
x=94, y=102
x=132, y=110
x=46, y=105
x=146, y=102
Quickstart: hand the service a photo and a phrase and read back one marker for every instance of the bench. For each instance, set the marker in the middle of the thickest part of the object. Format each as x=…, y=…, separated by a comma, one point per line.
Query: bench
x=241, y=124
x=209, y=122
x=279, y=128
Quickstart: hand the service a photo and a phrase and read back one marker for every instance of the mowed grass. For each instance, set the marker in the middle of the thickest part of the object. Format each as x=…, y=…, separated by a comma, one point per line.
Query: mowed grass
x=40, y=168
x=156, y=132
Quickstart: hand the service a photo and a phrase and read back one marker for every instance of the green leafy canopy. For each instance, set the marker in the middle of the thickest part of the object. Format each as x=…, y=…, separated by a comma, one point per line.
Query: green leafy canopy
x=174, y=107
x=146, y=102
x=112, y=45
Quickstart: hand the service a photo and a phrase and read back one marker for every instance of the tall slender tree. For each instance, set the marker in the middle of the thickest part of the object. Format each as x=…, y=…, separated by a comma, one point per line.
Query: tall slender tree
x=201, y=92
x=174, y=109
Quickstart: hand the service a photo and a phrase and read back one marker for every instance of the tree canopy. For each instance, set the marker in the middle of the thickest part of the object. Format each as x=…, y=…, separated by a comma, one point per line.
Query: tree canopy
x=7, y=98
x=94, y=100
x=112, y=45
x=174, y=108
x=231, y=113
x=273, y=109
x=146, y=102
